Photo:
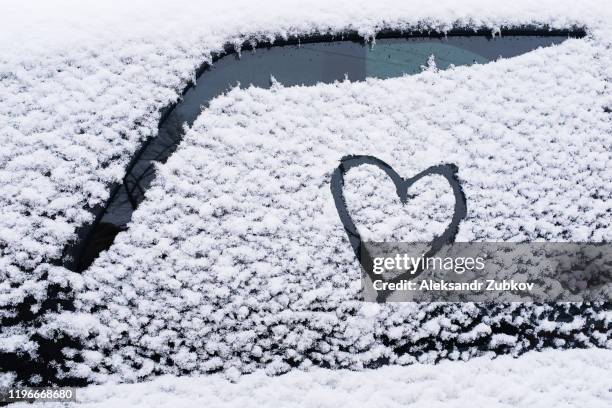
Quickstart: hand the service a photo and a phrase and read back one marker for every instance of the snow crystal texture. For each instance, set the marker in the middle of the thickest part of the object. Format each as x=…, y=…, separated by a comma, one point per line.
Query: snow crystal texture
x=539, y=380
x=237, y=259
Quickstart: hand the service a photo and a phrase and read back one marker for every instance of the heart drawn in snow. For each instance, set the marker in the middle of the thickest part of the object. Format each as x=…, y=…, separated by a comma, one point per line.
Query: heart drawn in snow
x=448, y=171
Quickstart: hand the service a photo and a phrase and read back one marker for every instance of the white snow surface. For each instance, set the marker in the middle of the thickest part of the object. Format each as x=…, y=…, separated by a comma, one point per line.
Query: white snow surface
x=237, y=259
x=569, y=378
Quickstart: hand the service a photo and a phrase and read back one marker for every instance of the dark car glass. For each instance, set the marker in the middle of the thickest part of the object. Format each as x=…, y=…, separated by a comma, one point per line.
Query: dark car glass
x=306, y=63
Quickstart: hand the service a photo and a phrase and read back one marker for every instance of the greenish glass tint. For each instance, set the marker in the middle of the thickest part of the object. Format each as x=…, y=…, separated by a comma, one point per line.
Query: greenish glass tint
x=396, y=58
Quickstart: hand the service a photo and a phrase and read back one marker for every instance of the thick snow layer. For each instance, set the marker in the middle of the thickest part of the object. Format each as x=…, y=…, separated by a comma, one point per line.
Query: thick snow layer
x=571, y=378
x=237, y=257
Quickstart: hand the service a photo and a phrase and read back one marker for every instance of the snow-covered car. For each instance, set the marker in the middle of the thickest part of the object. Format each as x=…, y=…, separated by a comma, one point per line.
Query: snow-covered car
x=167, y=201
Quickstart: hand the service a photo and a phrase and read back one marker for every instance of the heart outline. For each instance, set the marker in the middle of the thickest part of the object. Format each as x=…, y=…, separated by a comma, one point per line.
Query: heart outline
x=448, y=171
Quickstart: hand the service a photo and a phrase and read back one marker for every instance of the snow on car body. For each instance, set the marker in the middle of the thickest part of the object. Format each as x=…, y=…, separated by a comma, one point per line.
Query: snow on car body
x=237, y=257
